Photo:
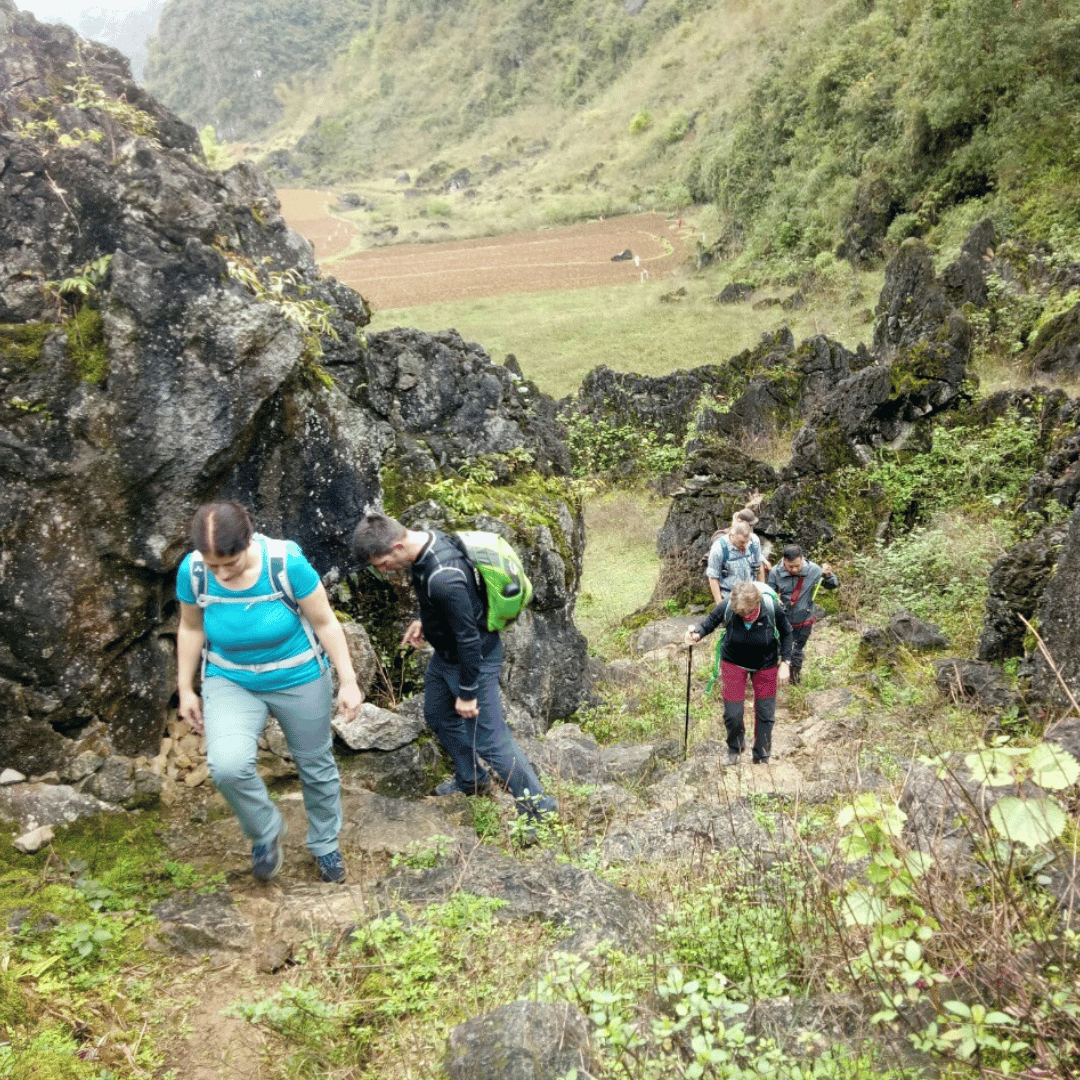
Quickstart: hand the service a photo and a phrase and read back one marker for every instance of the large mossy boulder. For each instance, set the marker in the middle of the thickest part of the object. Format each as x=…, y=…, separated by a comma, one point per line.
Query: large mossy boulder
x=1056, y=347
x=167, y=340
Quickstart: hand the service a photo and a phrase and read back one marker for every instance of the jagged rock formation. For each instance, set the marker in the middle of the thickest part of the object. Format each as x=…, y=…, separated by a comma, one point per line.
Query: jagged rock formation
x=166, y=339
x=848, y=404
x=851, y=404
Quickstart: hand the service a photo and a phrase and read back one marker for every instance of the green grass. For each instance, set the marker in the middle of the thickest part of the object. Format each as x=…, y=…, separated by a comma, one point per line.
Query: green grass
x=75, y=972
x=558, y=337
x=621, y=567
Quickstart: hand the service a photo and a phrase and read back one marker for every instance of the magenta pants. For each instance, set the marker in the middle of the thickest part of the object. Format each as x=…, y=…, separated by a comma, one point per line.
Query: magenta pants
x=733, y=684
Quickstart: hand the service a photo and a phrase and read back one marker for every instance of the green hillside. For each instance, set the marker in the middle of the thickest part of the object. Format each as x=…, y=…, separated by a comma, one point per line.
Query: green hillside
x=809, y=125
x=217, y=62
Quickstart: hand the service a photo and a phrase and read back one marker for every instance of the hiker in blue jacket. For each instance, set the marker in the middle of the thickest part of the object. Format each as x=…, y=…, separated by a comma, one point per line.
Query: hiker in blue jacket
x=797, y=580
x=756, y=642
x=461, y=685
x=256, y=621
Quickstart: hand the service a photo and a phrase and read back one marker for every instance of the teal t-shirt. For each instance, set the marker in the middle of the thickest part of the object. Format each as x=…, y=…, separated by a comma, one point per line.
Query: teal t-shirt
x=260, y=632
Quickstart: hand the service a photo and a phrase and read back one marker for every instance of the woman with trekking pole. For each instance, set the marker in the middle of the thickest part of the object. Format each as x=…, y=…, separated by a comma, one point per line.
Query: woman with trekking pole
x=755, y=642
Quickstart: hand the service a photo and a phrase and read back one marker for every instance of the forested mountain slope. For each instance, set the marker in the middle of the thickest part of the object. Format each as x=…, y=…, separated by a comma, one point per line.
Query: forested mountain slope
x=808, y=123
x=218, y=61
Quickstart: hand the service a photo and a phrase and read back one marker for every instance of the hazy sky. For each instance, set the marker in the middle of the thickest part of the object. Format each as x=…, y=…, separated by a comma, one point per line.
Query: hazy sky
x=68, y=10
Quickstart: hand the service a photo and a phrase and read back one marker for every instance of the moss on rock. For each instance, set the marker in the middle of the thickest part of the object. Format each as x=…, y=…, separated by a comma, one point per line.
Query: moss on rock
x=86, y=345
x=22, y=343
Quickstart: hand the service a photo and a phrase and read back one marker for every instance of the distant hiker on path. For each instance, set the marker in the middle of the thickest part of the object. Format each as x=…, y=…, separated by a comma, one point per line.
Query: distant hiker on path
x=733, y=557
x=797, y=579
x=755, y=641
x=461, y=686
x=255, y=619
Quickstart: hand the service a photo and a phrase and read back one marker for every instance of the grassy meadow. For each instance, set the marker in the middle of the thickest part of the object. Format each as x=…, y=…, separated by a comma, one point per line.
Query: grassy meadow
x=558, y=337
x=620, y=569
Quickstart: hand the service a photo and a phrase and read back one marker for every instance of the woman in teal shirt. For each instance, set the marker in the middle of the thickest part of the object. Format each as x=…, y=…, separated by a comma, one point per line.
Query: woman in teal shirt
x=256, y=621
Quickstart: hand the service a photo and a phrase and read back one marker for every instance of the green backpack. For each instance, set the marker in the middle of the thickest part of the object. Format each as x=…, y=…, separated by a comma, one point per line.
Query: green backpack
x=500, y=576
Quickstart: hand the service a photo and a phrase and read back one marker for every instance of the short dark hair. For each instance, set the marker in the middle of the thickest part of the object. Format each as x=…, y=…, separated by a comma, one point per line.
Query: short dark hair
x=792, y=552
x=374, y=536
x=222, y=528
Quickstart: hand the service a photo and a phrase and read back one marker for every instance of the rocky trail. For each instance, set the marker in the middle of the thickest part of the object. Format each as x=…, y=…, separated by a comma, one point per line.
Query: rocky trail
x=641, y=803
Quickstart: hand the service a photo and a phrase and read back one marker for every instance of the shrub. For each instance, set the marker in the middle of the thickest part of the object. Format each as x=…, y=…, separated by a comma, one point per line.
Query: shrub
x=982, y=468
x=601, y=449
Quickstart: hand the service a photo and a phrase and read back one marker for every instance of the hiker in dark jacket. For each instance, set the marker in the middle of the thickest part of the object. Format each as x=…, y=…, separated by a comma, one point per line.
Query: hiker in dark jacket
x=461, y=685
x=797, y=579
x=756, y=642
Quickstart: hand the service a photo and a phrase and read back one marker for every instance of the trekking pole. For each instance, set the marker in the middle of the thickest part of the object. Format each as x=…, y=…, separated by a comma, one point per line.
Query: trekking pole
x=686, y=730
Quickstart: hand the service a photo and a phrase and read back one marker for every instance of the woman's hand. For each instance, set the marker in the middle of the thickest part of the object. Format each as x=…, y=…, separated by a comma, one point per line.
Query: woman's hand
x=349, y=699
x=783, y=673
x=692, y=636
x=191, y=710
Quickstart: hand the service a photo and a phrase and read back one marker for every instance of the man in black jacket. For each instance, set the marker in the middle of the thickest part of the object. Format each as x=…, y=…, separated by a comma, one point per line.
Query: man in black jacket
x=461, y=686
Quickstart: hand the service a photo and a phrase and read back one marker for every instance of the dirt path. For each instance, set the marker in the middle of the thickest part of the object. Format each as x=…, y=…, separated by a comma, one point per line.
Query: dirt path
x=212, y=1043
x=410, y=275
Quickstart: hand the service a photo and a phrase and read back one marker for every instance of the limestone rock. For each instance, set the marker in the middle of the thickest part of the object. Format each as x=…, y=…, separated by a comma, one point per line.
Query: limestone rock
x=525, y=1040
x=33, y=805
x=377, y=729
x=202, y=923
x=197, y=368
x=555, y=892
x=1056, y=348
x=976, y=681
x=30, y=842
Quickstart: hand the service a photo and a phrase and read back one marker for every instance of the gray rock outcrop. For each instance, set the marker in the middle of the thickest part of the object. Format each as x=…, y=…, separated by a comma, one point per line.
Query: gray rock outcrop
x=1059, y=626
x=167, y=340
x=525, y=1040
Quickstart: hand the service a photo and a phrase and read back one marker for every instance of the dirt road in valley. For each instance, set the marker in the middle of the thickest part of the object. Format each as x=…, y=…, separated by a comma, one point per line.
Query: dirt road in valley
x=410, y=275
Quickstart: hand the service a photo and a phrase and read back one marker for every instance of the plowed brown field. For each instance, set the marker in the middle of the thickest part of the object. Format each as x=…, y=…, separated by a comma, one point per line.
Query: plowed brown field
x=409, y=275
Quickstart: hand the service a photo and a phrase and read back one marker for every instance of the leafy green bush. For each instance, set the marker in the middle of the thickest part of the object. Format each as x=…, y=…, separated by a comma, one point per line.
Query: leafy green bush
x=600, y=449
x=982, y=468
x=944, y=102
x=677, y=129
x=928, y=948
x=937, y=572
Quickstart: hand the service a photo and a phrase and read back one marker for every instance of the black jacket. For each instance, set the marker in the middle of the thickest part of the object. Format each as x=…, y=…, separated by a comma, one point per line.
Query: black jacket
x=452, y=609
x=752, y=648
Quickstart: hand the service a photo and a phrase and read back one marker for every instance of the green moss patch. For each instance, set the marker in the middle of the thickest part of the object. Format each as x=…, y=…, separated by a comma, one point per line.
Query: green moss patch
x=22, y=343
x=86, y=345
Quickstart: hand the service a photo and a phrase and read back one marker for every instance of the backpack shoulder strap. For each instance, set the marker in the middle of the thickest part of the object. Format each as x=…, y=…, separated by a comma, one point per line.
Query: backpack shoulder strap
x=770, y=606
x=277, y=557
x=460, y=549
x=197, y=573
